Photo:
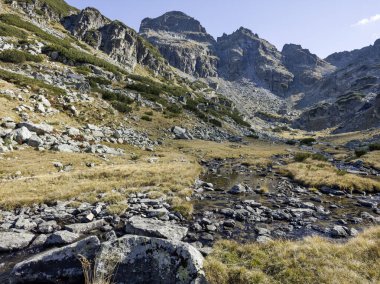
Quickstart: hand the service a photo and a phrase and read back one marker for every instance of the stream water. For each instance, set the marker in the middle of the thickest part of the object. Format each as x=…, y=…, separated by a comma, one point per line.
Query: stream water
x=281, y=208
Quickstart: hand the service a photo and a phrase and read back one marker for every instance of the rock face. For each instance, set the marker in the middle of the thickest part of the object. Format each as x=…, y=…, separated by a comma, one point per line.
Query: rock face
x=307, y=68
x=183, y=42
x=114, y=38
x=155, y=228
x=244, y=55
x=58, y=265
x=150, y=260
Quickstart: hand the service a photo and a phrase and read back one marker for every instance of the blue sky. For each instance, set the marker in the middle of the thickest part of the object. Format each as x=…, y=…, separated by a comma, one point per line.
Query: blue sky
x=323, y=26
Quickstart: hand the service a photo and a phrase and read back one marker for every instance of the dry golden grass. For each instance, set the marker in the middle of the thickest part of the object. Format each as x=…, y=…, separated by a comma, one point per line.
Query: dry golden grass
x=372, y=159
x=171, y=175
x=318, y=173
x=256, y=153
x=313, y=260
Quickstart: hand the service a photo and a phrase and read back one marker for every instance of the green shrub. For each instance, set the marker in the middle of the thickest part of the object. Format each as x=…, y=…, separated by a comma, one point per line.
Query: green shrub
x=7, y=30
x=18, y=56
x=122, y=107
x=301, y=157
x=215, y=122
x=80, y=57
x=24, y=81
x=318, y=157
x=84, y=70
x=360, y=152
x=14, y=20
x=174, y=109
x=147, y=118
x=150, y=113
x=94, y=81
x=374, y=147
x=307, y=141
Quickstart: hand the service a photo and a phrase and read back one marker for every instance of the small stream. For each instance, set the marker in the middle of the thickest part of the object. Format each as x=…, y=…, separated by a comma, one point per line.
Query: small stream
x=281, y=208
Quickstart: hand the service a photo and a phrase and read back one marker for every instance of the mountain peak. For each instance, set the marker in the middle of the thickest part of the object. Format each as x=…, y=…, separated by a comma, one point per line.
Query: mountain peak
x=174, y=21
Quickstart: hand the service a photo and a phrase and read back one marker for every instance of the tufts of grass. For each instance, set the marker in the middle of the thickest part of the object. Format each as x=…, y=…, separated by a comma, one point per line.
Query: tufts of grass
x=319, y=173
x=313, y=260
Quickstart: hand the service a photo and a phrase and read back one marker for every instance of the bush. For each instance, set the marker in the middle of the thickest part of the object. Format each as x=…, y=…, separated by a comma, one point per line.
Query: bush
x=216, y=122
x=374, y=147
x=360, y=152
x=94, y=81
x=84, y=70
x=122, y=107
x=319, y=157
x=301, y=157
x=14, y=20
x=24, y=81
x=150, y=113
x=80, y=57
x=147, y=118
x=291, y=142
x=307, y=141
x=18, y=56
x=7, y=30
x=174, y=109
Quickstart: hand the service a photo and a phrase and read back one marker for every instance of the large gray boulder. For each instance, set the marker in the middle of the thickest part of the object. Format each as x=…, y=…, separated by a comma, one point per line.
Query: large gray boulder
x=21, y=135
x=150, y=260
x=155, y=228
x=10, y=241
x=40, y=129
x=59, y=265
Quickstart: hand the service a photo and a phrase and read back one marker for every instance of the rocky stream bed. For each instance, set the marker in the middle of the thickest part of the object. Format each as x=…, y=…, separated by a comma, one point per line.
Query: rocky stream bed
x=41, y=244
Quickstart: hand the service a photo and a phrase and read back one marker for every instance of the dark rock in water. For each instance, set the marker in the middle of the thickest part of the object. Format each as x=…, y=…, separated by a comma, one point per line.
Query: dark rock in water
x=150, y=260
x=59, y=265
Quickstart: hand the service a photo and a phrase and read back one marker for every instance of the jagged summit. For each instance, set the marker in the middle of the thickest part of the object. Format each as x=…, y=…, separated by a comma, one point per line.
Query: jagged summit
x=174, y=21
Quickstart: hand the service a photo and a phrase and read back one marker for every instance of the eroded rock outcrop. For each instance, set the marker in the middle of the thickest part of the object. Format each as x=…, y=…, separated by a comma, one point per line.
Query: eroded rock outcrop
x=183, y=41
x=244, y=54
x=120, y=42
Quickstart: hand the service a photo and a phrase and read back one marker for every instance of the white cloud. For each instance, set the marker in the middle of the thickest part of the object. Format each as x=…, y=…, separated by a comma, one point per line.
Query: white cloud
x=367, y=21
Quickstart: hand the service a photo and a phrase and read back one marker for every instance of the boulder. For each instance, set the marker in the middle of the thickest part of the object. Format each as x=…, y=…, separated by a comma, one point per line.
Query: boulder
x=80, y=228
x=155, y=228
x=21, y=135
x=10, y=241
x=339, y=232
x=150, y=260
x=40, y=129
x=35, y=141
x=62, y=238
x=60, y=264
x=237, y=189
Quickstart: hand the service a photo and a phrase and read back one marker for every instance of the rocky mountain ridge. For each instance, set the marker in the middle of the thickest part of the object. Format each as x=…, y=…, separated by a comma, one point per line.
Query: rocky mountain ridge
x=317, y=85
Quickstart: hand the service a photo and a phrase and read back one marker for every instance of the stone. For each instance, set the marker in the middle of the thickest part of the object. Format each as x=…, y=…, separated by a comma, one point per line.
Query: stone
x=10, y=241
x=22, y=135
x=54, y=265
x=40, y=129
x=237, y=189
x=155, y=228
x=35, y=141
x=25, y=224
x=81, y=228
x=150, y=260
x=47, y=227
x=62, y=238
x=339, y=232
